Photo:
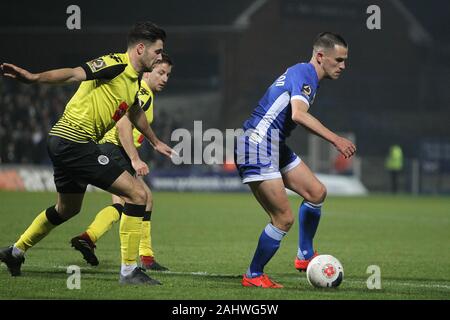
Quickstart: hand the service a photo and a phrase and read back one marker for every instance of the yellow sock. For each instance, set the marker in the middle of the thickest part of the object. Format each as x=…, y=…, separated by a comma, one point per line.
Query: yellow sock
x=103, y=222
x=130, y=234
x=39, y=228
x=145, y=245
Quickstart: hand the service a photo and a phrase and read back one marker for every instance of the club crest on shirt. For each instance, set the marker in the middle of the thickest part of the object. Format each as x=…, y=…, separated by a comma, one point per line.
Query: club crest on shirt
x=96, y=64
x=306, y=89
x=103, y=160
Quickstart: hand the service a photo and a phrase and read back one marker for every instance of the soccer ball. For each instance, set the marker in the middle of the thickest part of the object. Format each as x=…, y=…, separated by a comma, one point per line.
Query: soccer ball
x=325, y=271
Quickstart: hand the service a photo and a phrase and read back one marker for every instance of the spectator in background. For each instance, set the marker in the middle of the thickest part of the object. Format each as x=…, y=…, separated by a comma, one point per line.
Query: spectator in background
x=28, y=113
x=394, y=165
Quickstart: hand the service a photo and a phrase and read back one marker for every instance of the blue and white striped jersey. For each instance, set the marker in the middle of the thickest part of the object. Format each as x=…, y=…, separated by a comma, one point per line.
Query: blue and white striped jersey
x=300, y=81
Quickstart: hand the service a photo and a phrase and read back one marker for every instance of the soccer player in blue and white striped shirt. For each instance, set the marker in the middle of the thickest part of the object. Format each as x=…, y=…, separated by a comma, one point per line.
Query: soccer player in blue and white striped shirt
x=269, y=166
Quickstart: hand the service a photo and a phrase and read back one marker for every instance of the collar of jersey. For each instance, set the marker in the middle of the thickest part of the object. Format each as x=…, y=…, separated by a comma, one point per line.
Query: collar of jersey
x=145, y=85
x=133, y=71
x=314, y=72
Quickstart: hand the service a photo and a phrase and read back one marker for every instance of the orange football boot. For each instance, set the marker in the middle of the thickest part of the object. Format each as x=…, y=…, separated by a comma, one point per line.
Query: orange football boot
x=302, y=265
x=263, y=281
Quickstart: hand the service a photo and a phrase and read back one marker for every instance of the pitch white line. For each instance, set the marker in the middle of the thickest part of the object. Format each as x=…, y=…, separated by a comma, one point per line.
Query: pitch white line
x=406, y=284
x=214, y=275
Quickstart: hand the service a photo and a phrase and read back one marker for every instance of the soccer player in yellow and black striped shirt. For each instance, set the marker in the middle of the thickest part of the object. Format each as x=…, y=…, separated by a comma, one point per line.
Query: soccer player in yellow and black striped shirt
x=108, y=91
x=121, y=143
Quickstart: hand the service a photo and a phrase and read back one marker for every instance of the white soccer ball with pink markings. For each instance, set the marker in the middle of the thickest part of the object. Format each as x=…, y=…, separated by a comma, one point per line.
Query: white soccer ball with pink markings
x=325, y=271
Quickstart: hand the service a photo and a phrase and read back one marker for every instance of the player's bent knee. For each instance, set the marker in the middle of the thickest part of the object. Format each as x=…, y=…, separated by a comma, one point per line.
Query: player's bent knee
x=288, y=223
x=284, y=221
x=67, y=212
x=284, y=225
x=322, y=193
x=139, y=196
x=317, y=195
x=148, y=193
x=149, y=202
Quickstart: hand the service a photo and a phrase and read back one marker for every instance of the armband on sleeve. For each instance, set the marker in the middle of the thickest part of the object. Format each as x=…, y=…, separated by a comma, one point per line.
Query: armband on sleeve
x=103, y=68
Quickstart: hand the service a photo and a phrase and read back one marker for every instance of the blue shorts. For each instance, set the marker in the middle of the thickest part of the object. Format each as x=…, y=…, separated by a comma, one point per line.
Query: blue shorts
x=254, y=165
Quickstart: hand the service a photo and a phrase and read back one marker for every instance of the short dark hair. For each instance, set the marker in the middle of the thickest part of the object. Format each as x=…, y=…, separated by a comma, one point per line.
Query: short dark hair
x=145, y=31
x=328, y=40
x=165, y=59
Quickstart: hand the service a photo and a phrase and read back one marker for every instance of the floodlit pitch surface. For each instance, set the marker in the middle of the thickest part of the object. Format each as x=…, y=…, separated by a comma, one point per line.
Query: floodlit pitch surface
x=207, y=241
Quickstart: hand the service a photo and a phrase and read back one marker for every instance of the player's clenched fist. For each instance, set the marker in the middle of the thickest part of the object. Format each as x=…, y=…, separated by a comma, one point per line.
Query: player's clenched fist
x=345, y=146
x=140, y=167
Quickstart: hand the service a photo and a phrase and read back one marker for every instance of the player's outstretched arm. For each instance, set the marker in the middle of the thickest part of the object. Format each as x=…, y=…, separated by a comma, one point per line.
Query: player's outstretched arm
x=125, y=129
x=65, y=75
x=300, y=115
x=139, y=120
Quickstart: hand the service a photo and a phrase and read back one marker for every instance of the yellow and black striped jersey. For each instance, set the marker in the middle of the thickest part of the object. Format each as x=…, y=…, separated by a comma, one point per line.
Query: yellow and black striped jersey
x=145, y=100
x=110, y=88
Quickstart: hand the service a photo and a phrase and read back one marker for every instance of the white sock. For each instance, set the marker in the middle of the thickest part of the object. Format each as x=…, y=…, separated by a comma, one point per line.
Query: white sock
x=126, y=269
x=16, y=252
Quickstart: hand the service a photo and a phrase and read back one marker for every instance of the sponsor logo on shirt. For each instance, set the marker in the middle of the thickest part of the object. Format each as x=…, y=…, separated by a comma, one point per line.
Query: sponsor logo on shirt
x=96, y=64
x=306, y=90
x=103, y=160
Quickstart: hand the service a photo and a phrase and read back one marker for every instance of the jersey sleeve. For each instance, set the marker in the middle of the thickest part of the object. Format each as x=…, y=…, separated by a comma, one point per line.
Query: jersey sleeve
x=106, y=67
x=144, y=98
x=145, y=101
x=300, y=87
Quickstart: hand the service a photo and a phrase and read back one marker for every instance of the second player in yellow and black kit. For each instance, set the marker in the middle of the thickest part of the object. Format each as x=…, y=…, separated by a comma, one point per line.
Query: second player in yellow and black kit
x=108, y=90
x=111, y=144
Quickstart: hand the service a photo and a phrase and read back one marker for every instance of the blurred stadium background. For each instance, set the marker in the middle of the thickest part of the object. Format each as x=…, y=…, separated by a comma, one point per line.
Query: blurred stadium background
x=395, y=89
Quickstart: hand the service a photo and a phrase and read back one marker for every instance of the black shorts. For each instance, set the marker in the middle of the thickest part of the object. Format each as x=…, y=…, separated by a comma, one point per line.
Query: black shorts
x=119, y=155
x=78, y=164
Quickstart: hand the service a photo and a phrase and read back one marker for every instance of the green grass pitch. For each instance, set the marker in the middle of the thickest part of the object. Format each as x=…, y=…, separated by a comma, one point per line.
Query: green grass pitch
x=208, y=239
